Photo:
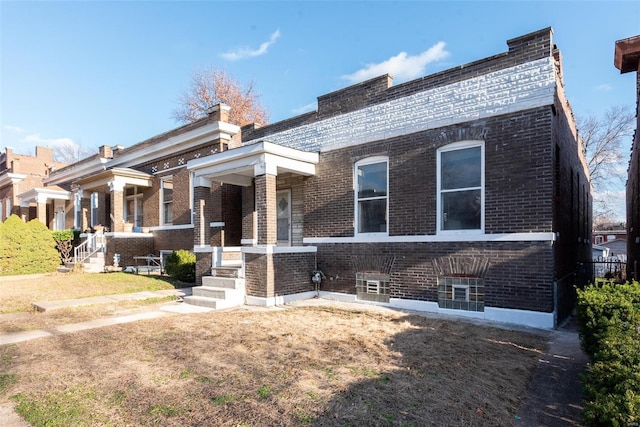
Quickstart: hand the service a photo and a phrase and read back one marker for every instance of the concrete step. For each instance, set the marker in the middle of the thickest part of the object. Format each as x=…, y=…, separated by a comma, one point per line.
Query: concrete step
x=216, y=304
x=231, y=271
x=222, y=282
x=211, y=292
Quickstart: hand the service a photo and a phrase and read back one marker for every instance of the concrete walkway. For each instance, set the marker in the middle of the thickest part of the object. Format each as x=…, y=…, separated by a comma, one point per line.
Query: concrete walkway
x=164, y=310
x=554, y=397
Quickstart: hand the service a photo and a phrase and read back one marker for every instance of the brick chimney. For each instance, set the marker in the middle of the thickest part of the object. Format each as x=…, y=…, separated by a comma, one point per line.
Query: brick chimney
x=219, y=113
x=106, y=152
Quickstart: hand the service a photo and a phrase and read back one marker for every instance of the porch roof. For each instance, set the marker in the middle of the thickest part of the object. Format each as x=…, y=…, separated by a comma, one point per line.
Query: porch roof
x=239, y=166
x=118, y=176
x=43, y=194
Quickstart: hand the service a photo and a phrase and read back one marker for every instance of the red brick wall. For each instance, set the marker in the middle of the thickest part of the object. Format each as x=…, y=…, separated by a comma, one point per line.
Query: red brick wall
x=293, y=272
x=128, y=247
x=519, y=277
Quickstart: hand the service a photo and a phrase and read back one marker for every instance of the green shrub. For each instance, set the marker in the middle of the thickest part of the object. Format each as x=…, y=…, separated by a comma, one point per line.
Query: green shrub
x=181, y=265
x=609, y=320
x=600, y=306
x=26, y=248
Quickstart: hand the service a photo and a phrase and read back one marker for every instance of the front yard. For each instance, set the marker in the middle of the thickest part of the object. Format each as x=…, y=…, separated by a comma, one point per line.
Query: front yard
x=282, y=366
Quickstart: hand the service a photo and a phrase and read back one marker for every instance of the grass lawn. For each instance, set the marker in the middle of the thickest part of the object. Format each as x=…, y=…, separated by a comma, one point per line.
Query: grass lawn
x=17, y=293
x=277, y=367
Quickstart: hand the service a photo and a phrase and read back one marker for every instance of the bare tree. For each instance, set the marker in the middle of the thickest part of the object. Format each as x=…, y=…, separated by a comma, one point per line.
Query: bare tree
x=210, y=86
x=67, y=151
x=603, y=139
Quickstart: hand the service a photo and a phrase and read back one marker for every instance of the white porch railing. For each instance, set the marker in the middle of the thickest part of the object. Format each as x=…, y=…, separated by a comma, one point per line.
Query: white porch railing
x=95, y=243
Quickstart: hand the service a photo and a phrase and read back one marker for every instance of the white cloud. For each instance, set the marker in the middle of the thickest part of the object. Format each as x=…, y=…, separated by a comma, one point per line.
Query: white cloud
x=56, y=142
x=14, y=129
x=250, y=53
x=305, y=108
x=605, y=87
x=402, y=66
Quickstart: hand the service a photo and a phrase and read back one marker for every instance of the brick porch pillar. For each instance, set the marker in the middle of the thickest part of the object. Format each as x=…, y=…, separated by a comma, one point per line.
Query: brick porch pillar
x=265, y=196
x=265, y=188
x=116, y=189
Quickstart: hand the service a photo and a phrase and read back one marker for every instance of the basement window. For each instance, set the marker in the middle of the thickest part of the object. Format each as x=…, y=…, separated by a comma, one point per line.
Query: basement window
x=461, y=293
x=372, y=287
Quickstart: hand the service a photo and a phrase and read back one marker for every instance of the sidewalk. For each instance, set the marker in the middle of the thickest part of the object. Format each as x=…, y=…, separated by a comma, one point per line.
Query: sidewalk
x=165, y=310
x=554, y=397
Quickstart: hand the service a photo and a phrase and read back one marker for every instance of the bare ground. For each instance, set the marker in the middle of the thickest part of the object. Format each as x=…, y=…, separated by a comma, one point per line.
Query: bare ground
x=304, y=366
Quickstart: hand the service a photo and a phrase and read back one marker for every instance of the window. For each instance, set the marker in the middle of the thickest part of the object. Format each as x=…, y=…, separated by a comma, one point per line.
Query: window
x=77, y=211
x=371, y=177
x=8, y=212
x=1, y=211
x=599, y=240
x=94, y=209
x=373, y=286
x=166, y=200
x=133, y=212
x=461, y=187
x=461, y=293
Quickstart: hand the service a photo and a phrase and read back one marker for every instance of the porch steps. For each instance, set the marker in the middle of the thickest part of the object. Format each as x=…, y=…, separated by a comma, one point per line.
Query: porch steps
x=223, y=289
x=94, y=264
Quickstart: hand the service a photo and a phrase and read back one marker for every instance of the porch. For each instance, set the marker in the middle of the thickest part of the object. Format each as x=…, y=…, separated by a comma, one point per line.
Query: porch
x=272, y=261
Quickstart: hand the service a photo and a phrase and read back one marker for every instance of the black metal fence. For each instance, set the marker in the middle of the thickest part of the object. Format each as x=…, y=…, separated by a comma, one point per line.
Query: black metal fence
x=607, y=269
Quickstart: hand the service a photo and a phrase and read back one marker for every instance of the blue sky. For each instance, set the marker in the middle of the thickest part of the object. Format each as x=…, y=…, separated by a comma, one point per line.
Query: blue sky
x=95, y=73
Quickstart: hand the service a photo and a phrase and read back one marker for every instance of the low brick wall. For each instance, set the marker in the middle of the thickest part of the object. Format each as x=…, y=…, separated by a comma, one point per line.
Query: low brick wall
x=128, y=246
x=292, y=272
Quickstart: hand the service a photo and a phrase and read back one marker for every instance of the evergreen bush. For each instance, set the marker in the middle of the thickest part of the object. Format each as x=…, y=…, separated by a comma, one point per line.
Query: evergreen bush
x=181, y=265
x=26, y=248
x=609, y=319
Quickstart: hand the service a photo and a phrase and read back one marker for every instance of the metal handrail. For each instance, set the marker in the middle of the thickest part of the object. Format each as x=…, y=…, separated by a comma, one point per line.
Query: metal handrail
x=95, y=243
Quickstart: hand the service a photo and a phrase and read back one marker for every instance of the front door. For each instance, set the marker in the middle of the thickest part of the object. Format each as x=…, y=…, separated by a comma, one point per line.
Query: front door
x=283, y=209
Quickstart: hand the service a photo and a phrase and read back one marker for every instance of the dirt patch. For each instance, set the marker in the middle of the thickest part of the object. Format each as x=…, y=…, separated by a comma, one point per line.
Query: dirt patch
x=303, y=366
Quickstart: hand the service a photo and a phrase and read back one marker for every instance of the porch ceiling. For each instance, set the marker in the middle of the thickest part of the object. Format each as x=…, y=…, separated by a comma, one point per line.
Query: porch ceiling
x=121, y=176
x=240, y=165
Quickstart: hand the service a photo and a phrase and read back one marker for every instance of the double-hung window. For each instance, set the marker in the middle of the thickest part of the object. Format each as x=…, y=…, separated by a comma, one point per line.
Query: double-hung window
x=166, y=202
x=77, y=211
x=133, y=207
x=371, y=195
x=461, y=186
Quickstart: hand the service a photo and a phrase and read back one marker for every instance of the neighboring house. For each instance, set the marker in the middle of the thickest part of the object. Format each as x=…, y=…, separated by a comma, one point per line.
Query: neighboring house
x=463, y=192
x=141, y=197
x=20, y=173
x=627, y=59
x=606, y=234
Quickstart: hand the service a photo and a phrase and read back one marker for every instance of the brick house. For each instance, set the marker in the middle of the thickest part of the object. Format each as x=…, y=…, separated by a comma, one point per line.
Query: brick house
x=139, y=198
x=627, y=59
x=21, y=174
x=463, y=192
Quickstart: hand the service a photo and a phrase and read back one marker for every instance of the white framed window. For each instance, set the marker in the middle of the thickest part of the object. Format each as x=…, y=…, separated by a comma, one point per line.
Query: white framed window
x=8, y=208
x=166, y=200
x=373, y=286
x=460, y=176
x=94, y=209
x=133, y=209
x=371, y=178
x=1, y=210
x=77, y=211
x=460, y=293
x=599, y=240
